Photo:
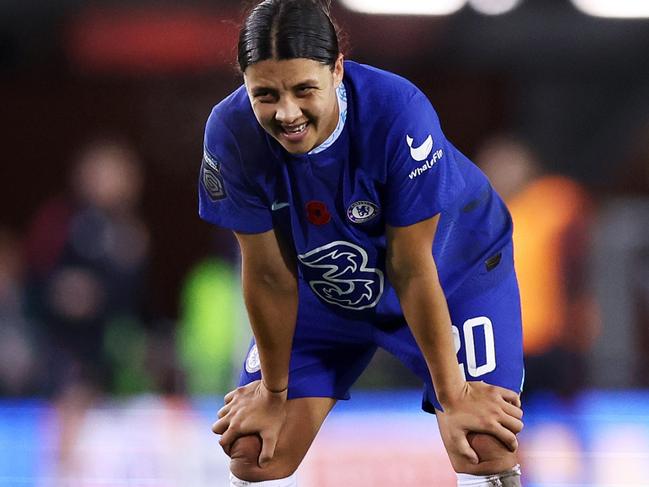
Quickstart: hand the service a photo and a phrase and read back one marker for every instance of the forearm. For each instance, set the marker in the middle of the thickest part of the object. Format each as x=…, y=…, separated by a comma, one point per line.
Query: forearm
x=272, y=309
x=426, y=312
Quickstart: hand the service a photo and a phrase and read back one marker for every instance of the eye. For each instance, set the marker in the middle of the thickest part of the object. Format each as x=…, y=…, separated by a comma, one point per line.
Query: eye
x=304, y=90
x=264, y=96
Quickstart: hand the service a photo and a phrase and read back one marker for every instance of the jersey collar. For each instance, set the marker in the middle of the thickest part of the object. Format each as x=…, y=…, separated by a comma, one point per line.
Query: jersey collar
x=341, y=94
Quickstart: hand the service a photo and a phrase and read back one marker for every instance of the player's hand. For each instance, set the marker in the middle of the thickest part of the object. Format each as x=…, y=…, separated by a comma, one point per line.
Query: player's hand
x=252, y=409
x=482, y=408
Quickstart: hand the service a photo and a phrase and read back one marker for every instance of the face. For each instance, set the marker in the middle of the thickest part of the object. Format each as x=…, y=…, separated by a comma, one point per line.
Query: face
x=295, y=100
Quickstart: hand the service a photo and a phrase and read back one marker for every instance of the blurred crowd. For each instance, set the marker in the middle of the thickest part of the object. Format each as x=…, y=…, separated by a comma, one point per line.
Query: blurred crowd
x=76, y=319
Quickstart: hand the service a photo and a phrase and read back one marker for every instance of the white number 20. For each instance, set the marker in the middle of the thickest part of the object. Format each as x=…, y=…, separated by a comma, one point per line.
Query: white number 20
x=468, y=328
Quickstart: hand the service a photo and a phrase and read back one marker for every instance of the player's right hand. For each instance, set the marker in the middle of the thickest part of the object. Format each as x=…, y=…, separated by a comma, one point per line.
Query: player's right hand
x=252, y=409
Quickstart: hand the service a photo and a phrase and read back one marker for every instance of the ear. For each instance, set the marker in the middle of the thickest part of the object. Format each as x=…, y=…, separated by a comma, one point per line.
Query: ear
x=339, y=70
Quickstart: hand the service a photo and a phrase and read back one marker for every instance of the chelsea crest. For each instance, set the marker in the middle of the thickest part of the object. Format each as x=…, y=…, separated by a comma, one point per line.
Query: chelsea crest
x=362, y=211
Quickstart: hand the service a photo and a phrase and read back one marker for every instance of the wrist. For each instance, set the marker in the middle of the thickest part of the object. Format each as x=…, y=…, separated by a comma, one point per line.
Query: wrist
x=448, y=380
x=275, y=390
x=447, y=396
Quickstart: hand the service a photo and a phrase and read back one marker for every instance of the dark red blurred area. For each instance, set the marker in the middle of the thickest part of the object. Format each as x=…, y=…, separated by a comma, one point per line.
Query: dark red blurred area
x=151, y=39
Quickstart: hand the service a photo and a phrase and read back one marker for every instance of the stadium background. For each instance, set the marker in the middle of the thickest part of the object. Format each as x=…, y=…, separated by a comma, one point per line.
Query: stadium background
x=535, y=80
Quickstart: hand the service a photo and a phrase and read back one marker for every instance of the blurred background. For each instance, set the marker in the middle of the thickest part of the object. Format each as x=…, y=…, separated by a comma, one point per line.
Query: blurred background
x=121, y=321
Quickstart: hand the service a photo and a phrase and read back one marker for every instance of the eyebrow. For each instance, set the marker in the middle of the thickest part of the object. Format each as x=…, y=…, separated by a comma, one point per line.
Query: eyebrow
x=307, y=82
x=257, y=90
x=264, y=89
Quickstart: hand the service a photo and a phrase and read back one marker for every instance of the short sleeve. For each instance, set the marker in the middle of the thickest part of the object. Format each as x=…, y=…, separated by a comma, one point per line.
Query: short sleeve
x=227, y=197
x=423, y=178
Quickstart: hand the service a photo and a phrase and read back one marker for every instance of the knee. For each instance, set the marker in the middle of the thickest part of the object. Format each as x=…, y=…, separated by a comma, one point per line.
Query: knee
x=244, y=455
x=494, y=456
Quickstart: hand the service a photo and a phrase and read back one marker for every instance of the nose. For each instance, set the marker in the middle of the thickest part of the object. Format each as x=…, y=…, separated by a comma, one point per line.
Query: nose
x=288, y=111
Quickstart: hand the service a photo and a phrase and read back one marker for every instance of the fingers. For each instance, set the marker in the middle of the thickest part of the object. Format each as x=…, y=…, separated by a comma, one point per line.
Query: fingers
x=512, y=424
x=510, y=396
x=506, y=437
x=228, y=437
x=268, y=444
x=506, y=394
x=464, y=449
x=228, y=434
x=510, y=404
x=229, y=396
x=512, y=410
x=220, y=426
x=223, y=411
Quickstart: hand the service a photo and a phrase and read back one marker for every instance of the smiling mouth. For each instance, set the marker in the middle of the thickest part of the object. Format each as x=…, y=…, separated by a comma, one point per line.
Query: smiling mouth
x=295, y=129
x=294, y=134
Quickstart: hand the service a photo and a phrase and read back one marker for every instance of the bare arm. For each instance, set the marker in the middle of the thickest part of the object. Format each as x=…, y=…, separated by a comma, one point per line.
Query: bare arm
x=413, y=273
x=474, y=406
x=270, y=293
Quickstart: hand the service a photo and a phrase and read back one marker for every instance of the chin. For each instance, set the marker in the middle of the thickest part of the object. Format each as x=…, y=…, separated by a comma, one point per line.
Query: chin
x=296, y=149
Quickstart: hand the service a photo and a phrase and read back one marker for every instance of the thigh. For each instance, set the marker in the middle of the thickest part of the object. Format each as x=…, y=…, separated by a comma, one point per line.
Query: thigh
x=486, y=326
x=328, y=353
x=487, y=332
x=488, y=336
x=304, y=419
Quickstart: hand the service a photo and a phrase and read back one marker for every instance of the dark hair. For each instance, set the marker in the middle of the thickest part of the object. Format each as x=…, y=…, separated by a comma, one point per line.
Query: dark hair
x=288, y=29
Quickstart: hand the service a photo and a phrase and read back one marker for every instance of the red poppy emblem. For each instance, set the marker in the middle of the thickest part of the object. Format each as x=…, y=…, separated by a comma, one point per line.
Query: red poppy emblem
x=317, y=213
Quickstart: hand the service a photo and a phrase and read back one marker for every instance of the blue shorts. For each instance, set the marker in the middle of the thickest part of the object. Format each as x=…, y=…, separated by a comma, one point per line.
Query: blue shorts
x=330, y=352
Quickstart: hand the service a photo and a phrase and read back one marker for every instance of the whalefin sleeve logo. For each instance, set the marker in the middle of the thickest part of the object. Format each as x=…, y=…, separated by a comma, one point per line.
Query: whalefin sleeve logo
x=422, y=152
x=338, y=273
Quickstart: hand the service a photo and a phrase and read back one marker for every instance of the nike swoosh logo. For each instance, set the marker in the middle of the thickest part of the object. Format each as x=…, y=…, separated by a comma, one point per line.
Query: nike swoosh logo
x=422, y=152
x=278, y=206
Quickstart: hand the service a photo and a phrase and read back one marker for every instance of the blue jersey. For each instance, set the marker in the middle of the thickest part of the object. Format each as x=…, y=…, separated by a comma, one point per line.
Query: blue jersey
x=387, y=163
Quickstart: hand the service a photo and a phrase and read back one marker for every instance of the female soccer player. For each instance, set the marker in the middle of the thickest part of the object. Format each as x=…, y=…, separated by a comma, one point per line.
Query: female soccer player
x=360, y=226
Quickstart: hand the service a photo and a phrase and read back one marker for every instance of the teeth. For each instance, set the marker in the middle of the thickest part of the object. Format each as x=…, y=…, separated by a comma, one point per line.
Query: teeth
x=295, y=130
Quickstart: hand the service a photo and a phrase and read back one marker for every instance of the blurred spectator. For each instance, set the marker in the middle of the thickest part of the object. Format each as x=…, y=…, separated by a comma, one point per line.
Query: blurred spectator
x=18, y=369
x=552, y=216
x=87, y=253
x=621, y=271
x=211, y=322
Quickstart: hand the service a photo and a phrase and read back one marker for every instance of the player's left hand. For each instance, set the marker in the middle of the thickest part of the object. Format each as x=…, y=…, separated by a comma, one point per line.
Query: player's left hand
x=482, y=408
x=252, y=409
